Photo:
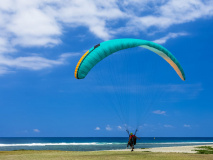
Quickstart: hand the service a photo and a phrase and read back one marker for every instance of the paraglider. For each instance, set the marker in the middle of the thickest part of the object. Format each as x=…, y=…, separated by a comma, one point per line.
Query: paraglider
x=100, y=51
x=132, y=139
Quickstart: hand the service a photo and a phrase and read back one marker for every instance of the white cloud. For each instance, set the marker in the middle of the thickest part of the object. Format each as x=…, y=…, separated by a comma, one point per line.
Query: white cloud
x=32, y=27
x=97, y=128
x=159, y=112
x=4, y=46
x=4, y=70
x=119, y=127
x=36, y=130
x=108, y=128
x=176, y=12
x=187, y=125
x=92, y=14
x=39, y=23
x=169, y=36
x=168, y=126
x=31, y=63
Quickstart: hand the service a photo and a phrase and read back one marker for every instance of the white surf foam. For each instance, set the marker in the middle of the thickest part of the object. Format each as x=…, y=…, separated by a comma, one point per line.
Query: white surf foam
x=53, y=144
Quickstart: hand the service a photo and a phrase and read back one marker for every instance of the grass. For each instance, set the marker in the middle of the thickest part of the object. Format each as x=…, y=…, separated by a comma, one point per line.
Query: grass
x=103, y=155
x=204, y=150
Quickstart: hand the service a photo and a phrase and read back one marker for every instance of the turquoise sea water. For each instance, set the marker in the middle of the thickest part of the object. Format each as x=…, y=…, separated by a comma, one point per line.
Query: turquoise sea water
x=95, y=143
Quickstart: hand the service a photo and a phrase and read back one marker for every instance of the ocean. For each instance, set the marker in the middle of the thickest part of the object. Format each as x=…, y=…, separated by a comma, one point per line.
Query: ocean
x=95, y=143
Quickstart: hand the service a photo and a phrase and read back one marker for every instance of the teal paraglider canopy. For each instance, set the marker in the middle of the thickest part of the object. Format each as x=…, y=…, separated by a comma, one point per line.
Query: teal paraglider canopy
x=104, y=49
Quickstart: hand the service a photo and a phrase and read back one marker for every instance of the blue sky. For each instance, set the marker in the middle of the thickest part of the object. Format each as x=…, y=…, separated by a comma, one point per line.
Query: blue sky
x=42, y=41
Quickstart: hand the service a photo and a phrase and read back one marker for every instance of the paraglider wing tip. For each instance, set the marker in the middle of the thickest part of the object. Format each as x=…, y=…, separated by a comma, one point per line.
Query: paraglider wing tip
x=183, y=78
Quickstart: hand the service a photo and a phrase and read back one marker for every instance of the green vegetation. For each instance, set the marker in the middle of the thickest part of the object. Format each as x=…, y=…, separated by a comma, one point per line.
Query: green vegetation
x=205, y=150
x=96, y=155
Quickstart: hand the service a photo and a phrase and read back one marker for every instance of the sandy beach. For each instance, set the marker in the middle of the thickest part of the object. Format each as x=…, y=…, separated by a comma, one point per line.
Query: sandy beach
x=178, y=149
